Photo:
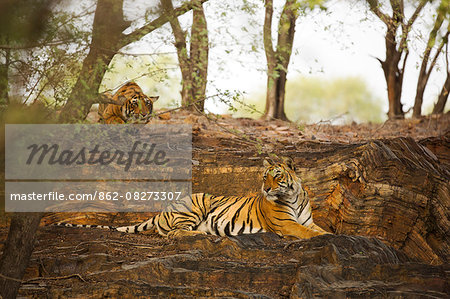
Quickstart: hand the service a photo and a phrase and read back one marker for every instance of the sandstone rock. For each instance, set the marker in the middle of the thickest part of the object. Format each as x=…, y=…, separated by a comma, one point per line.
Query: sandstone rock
x=260, y=265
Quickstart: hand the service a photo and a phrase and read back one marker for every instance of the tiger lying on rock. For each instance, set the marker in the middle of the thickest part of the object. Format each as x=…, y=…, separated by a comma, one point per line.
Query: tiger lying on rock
x=283, y=208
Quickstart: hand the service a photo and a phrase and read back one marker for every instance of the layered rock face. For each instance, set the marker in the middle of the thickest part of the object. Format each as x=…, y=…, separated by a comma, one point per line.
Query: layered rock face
x=96, y=264
x=386, y=201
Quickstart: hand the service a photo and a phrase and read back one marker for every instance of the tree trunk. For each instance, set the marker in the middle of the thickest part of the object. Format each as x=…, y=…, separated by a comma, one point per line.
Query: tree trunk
x=17, y=251
x=396, y=51
x=278, y=61
x=106, y=33
x=393, y=75
x=199, y=58
x=425, y=69
x=4, y=79
x=421, y=85
x=193, y=65
x=443, y=96
x=107, y=39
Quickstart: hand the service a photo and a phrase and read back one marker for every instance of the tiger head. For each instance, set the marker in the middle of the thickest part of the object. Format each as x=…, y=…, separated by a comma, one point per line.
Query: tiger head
x=280, y=180
x=137, y=107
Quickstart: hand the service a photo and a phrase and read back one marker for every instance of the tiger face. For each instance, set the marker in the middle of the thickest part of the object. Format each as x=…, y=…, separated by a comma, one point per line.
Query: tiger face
x=280, y=180
x=136, y=107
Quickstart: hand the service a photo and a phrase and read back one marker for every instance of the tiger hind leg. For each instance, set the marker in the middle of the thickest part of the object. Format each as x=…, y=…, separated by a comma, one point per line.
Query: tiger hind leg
x=317, y=228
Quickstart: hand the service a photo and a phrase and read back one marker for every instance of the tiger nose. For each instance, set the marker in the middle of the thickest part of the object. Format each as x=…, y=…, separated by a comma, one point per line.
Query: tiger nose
x=268, y=183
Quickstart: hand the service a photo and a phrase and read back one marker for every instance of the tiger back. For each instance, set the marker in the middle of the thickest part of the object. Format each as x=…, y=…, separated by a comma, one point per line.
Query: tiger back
x=136, y=108
x=282, y=208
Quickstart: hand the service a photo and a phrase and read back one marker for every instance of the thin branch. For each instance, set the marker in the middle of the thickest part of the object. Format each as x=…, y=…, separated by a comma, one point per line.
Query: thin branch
x=56, y=278
x=10, y=278
x=436, y=55
x=144, y=54
x=406, y=28
x=375, y=8
x=146, y=29
x=180, y=36
x=416, y=12
x=107, y=98
x=148, y=74
x=35, y=45
x=117, y=242
x=186, y=105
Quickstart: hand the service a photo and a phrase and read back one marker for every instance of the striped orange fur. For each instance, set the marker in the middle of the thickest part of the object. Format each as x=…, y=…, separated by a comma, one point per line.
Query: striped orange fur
x=137, y=107
x=282, y=208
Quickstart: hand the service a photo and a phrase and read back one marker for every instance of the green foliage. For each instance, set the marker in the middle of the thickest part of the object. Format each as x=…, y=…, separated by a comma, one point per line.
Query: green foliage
x=315, y=99
x=43, y=67
x=312, y=4
x=23, y=21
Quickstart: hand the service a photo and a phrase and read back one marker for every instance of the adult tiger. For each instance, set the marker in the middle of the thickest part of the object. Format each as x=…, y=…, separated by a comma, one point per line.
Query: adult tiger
x=136, y=107
x=283, y=208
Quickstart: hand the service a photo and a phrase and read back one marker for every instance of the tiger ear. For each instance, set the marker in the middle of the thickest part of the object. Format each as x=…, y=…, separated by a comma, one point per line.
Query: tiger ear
x=154, y=98
x=267, y=163
x=289, y=162
x=120, y=99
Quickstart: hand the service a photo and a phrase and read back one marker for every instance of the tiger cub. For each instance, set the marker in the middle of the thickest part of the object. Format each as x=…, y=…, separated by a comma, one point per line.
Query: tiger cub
x=136, y=107
x=283, y=208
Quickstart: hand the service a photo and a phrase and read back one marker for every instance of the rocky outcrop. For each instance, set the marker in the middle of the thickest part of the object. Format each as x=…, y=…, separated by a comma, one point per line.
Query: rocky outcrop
x=387, y=202
x=88, y=263
x=394, y=189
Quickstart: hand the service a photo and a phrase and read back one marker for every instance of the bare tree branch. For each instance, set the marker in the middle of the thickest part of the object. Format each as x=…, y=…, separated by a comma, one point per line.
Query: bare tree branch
x=155, y=24
x=179, y=34
x=108, y=98
x=375, y=8
x=406, y=28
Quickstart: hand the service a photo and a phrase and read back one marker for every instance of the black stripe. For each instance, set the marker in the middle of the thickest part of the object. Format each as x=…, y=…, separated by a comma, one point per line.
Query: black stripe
x=284, y=219
x=233, y=219
x=216, y=230
x=227, y=229
x=306, y=219
x=241, y=231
